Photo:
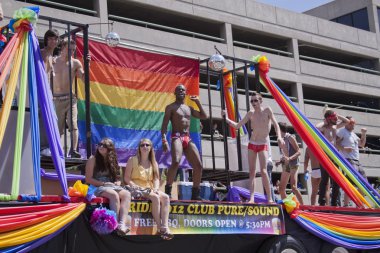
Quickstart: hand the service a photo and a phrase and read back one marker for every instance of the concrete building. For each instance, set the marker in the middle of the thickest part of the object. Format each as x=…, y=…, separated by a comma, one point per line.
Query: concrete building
x=329, y=55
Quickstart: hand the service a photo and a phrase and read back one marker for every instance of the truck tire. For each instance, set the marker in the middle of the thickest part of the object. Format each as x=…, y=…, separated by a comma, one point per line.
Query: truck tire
x=282, y=244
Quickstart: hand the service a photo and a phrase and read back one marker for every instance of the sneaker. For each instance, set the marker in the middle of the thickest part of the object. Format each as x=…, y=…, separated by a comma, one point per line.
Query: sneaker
x=75, y=154
x=45, y=152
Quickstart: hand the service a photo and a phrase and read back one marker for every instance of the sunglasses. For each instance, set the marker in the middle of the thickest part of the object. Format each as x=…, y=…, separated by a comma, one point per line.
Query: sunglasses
x=254, y=100
x=102, y=145
x=144, y=145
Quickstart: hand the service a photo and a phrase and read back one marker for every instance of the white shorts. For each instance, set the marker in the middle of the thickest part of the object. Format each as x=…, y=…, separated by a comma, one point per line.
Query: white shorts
x=316, y=173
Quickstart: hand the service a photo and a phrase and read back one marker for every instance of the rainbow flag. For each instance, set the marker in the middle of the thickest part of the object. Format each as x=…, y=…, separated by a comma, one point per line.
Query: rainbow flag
x=129, y=90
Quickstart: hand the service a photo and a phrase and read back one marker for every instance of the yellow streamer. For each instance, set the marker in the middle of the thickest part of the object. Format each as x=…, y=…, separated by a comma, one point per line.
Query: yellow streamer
x=35, y=232
x=11, y=87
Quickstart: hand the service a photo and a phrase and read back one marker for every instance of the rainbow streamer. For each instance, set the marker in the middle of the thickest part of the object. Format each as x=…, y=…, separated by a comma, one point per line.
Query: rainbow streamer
x=359, y=232
x=22, y=59
x=321, y=148
x=129, y=92
x=230, y=105
x=26, y=227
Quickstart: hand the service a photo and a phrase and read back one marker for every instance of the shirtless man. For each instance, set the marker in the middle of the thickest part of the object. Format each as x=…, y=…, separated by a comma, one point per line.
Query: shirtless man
x=179, y=114
x=315, y=174
x=328, y=128
x=261, y=118
x=62, y=92
x=50, y=43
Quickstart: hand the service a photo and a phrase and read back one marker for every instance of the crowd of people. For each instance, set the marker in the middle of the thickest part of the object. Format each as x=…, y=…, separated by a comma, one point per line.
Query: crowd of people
x=141, y=176
x=337, y=129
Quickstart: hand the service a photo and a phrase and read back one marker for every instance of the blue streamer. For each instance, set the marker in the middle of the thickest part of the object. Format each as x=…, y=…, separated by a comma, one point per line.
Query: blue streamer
x=34, y=124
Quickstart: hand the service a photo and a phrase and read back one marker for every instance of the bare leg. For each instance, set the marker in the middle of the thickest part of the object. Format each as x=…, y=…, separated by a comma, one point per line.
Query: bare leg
x=114, y=200
x=192, y=155
x=283, y=182
x=314, y=190
x=293, y=184
x=125, y=204
x=328, y=193
x=263, y=159
x=75, y=139
x=252, y=156
x=176, y=159
x=165, y=203
x=155, y=208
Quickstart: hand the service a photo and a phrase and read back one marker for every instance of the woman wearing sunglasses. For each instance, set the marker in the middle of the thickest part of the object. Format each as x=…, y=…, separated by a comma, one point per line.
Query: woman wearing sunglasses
x=142, y=177
x=102, y=171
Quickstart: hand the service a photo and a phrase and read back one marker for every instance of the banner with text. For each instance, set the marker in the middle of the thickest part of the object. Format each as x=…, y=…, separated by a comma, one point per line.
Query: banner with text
x=210, y=218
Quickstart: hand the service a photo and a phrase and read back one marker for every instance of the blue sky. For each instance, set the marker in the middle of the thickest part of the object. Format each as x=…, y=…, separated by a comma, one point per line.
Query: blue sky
x=295, y=5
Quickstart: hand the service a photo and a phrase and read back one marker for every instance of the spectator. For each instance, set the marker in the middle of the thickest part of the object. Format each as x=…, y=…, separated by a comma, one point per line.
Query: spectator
x=102, y=171
x=143, y=178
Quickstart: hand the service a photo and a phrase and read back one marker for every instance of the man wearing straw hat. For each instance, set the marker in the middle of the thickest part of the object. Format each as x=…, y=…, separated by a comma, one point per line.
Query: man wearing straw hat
x=329, y=128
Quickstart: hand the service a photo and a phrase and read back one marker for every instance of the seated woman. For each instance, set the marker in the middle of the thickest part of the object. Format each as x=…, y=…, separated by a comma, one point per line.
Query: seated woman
x=142, y=177
x=102, y=171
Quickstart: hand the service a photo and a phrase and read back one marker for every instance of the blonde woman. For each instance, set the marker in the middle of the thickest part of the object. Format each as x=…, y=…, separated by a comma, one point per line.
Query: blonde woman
x=142, y=179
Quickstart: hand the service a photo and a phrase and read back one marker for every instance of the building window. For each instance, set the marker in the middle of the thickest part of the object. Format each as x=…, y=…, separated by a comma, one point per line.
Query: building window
x=357, y=19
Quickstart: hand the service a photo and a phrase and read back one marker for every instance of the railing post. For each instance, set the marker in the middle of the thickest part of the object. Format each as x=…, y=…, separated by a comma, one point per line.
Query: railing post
x=87, y=91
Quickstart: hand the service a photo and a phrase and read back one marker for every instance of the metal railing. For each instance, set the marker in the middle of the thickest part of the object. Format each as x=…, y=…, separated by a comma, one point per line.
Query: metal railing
x=265, y=49
x=342, y=106
x=337, y=64
x=242, y=91
x=70, y=7
x=165, y=28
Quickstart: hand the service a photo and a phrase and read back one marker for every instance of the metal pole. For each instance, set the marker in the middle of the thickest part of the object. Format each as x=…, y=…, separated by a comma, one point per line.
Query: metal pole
x=87, y=90
x=257, y=78
x=247, y=102
x=71, y=91
x=224, y=129
x=211, y=120
x=236, y=98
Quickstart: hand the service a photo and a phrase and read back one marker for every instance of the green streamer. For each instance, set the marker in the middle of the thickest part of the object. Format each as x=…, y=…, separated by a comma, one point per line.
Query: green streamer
x=20, y=120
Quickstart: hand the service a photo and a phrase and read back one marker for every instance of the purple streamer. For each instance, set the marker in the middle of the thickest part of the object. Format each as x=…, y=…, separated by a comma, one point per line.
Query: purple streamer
x=235, y=193
x=43, y=240
x=54, y=176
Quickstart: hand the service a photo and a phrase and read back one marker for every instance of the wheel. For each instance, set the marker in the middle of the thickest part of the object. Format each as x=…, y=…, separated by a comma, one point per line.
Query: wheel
x=282, y=244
